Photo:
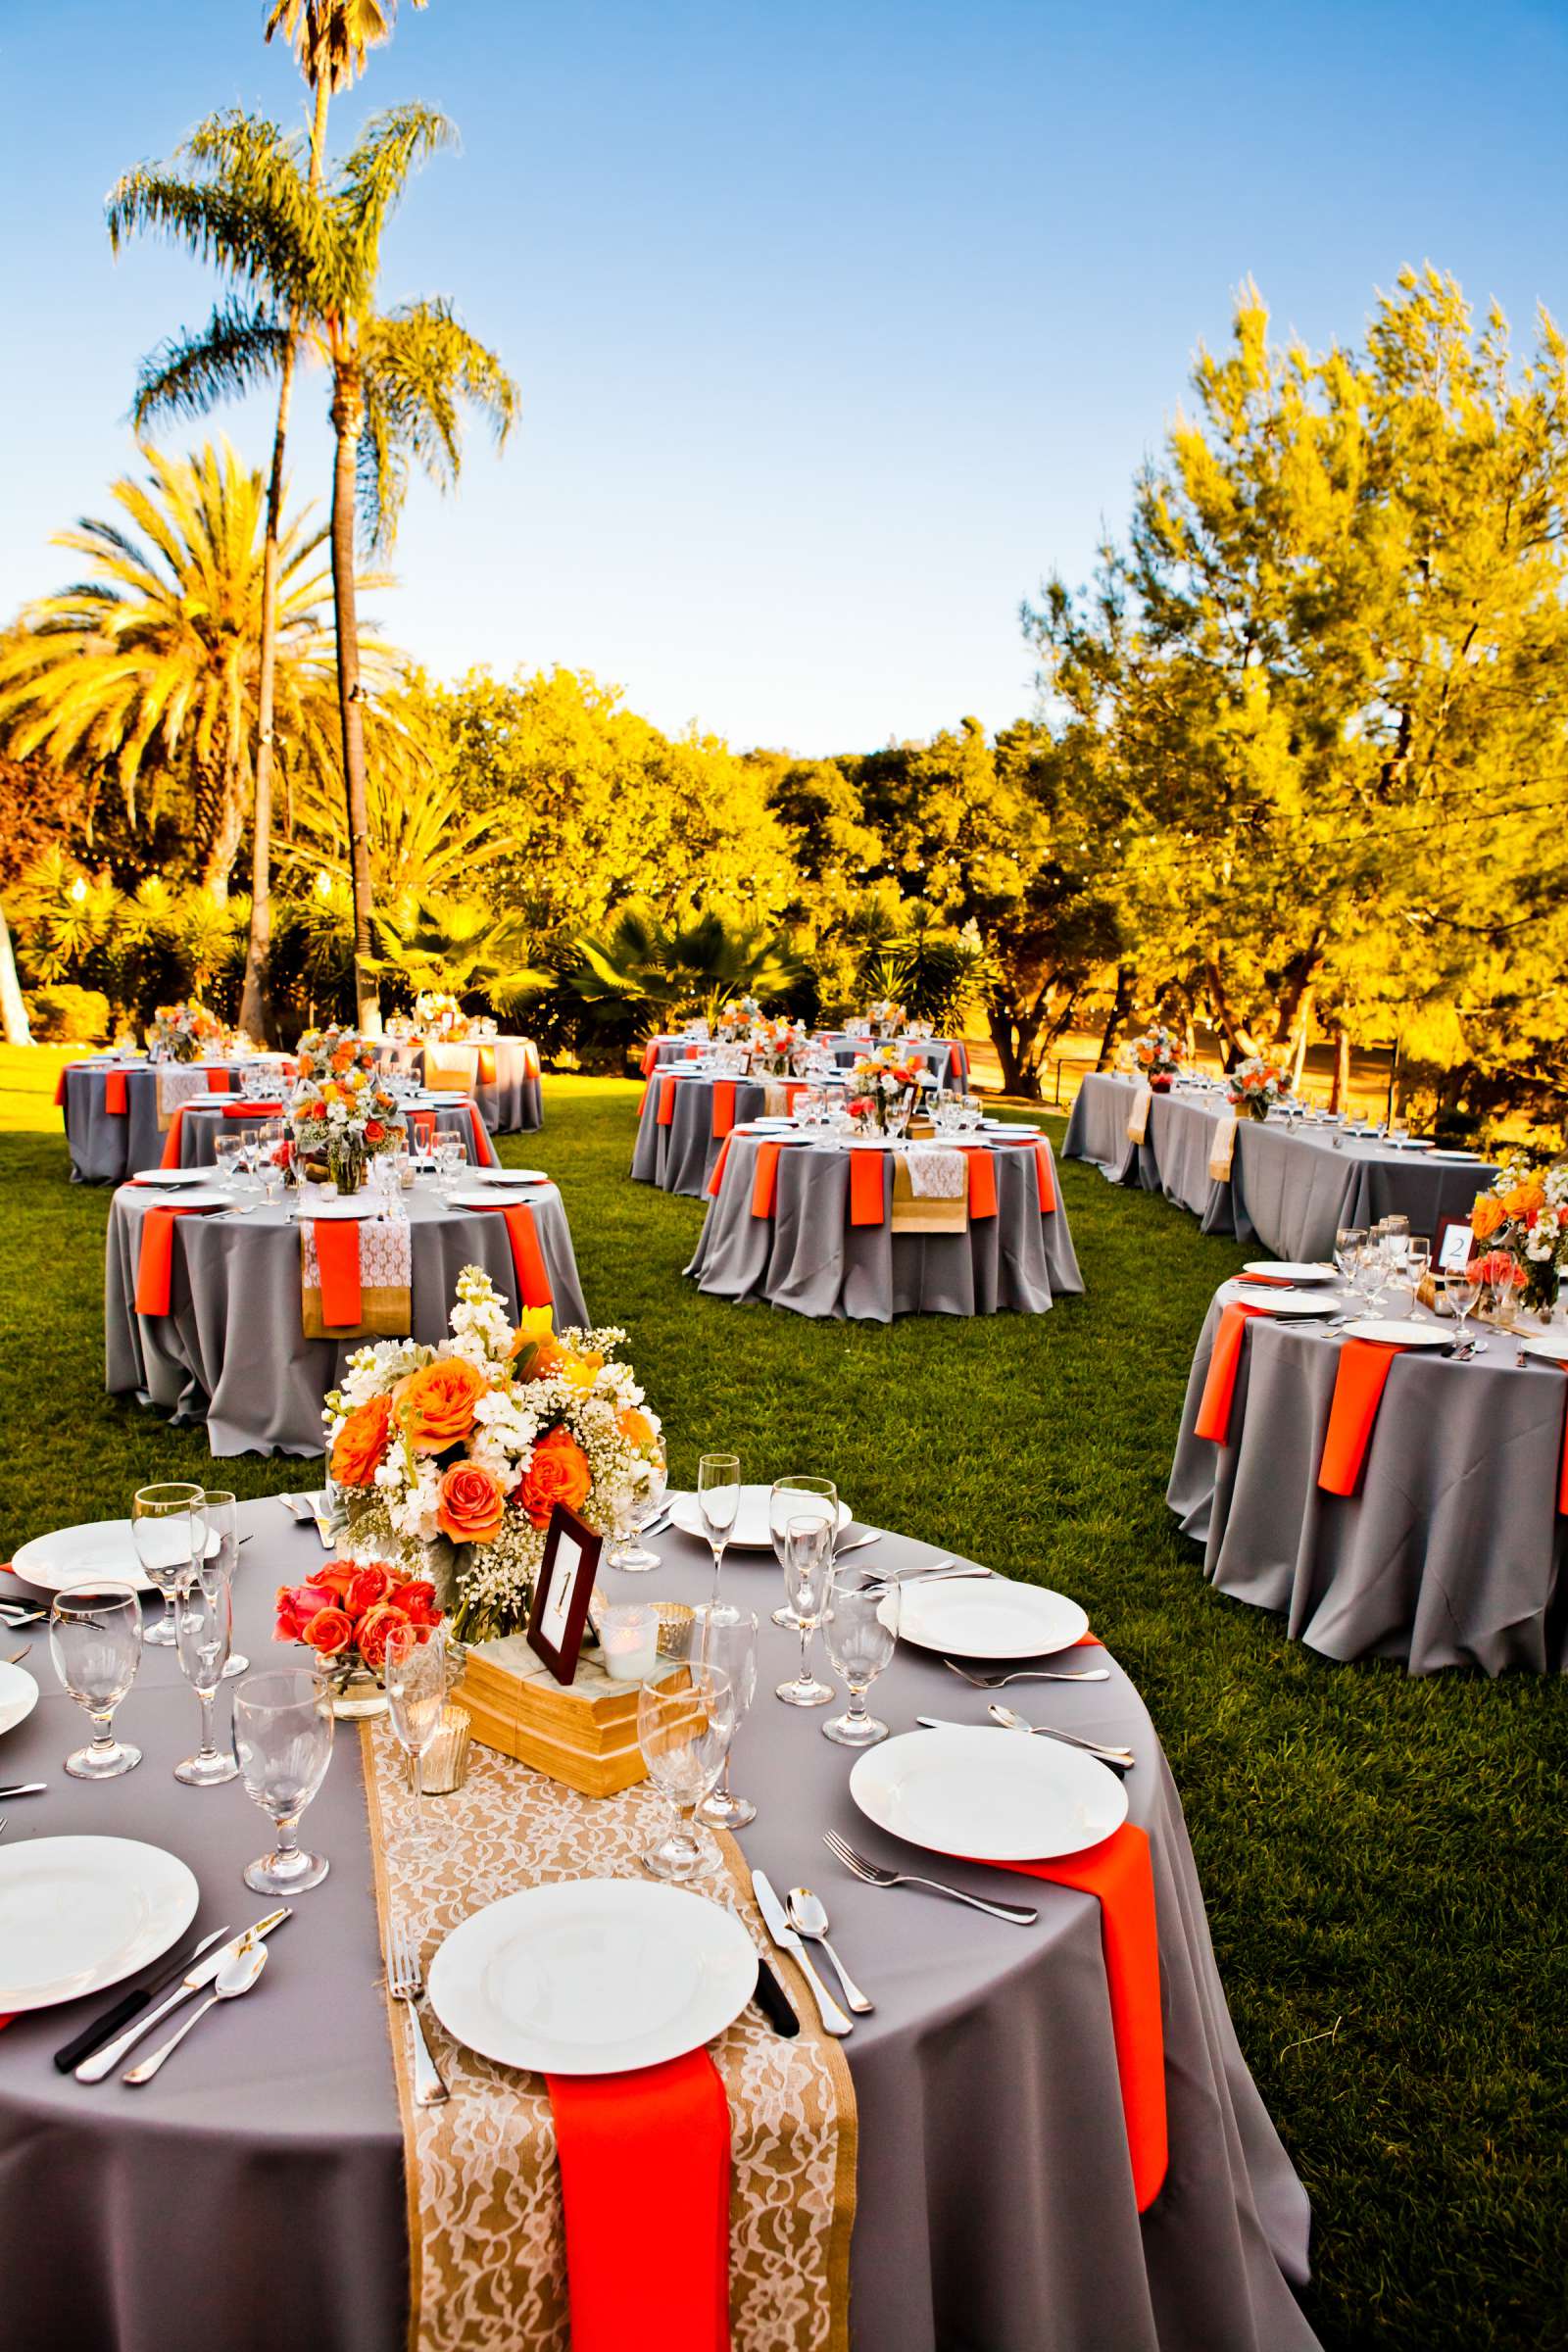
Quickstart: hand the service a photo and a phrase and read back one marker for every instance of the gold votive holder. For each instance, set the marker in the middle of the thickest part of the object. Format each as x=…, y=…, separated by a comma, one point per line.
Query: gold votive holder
x=446, y=1759
x=672, y=1616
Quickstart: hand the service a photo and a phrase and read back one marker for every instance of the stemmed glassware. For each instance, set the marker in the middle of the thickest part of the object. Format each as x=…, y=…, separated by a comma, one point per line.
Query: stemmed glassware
x=718, y=1499
x=808, y=1569
x=219, y=1558
x=95, y=1641
x=685, y=1722
x=1417, y=1263
x=639, y=1509
x=1462, y=1289
x=169, y=1527
x=283, y=1744
x=414, y=1677
x=727, y=1640
x=203, y=1627
x=1350, y=1256
x=859, y=1631
x=798, y=1498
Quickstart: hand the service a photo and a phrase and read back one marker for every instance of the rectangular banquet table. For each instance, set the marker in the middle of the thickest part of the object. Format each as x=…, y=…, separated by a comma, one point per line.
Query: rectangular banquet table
x=995, y=2199
x=1451, y=1551
x=1291, y=1186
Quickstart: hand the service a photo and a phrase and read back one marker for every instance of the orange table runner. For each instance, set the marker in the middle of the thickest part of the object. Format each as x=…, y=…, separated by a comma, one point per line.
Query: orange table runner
x=337, y=1255
x=662, y=2132
x=1358, y=1384
x=155, y=1258
x=724, y=1119
x=1214, y=1409
x=867, y=1188
x=528, y=1258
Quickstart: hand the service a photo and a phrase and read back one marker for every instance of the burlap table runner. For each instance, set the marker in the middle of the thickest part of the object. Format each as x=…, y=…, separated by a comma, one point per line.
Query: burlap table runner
x=930, y=1192
x=177, y=1085
x=486, y=2240
x=386, y=1283
x=1222, y=1146
x=1138, y=1120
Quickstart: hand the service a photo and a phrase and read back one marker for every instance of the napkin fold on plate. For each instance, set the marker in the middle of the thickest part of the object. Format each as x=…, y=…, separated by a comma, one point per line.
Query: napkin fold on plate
x=723, y=1117
x=356, y=1278
x=1219, y=1388
x=1358, y=1384
x=528, y=1258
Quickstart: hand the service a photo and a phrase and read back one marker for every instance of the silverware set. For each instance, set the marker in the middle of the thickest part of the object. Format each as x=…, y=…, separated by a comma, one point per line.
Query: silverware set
x=223, y=1974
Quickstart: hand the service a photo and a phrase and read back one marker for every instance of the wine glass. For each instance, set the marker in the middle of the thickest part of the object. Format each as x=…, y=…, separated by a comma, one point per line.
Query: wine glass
x=169, y=1527
x=203, y=1628
x=718, y=1499
x=859, y=1629
x=727, y=1640
x=793, y=1498
x=283, y=1744
x=225, y=1157
x=1462, y=1289
x=807, y=1568
x=1349, y=1244
x=1417, y=1263
x=221, y=1558
x=95, y=1642
x=638, y=1509
x=685, y=1722
x=414, y=1675
x=450, y=1158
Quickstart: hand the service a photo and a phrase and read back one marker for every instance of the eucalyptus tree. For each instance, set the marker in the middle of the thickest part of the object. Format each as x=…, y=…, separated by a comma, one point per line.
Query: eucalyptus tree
x=305, y=265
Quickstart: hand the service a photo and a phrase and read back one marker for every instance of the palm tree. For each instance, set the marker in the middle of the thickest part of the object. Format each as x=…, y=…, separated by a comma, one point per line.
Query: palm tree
x=645, y=965
x=307, y=259
x=424, y=841
x=431, y=941
x=150, y=665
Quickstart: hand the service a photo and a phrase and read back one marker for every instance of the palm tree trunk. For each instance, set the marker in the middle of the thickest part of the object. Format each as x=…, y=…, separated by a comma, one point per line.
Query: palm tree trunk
x=346, y=416
x=255, y=1011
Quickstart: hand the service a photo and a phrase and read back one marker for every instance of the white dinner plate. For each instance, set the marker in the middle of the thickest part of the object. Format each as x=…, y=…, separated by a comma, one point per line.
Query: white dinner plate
x=751, y=1532
x=1459, y=1159
x=347, y=1208
x=593, y=1976
x=505, y=1176
x=993, y=1796
x=476, y=1197
x=99, y=1551
x=1288, y=1301
x=1290, y=1269
x=1550, y=1346
x=446, y=1095
x=19, y=1695
x=1390, y=1331
x=82, y=1912
x=992, y=1619
x=173, y=1176
x=1008, y=1127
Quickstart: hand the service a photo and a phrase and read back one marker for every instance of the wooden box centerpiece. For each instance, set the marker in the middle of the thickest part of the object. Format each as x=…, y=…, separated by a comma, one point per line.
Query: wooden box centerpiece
x=584, y=1733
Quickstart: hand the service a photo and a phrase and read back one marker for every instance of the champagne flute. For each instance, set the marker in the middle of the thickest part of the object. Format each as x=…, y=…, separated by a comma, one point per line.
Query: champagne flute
x=685, y=1722
x=414, y=1675
x=168, y=1527
x=808, y=1567
x=283, y=1744
x=95, y=1641
x=718, y=1498
x=794, y=1497
x=221, y=1558
x=859, y=1630
x=1349, y=1242
x=203, y=1628
x=727, y=1639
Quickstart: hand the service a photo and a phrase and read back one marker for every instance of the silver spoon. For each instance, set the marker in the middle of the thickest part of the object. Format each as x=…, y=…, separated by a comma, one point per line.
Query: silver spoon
x=236, y=1976
x=809, y=1916
x=1121, y=1759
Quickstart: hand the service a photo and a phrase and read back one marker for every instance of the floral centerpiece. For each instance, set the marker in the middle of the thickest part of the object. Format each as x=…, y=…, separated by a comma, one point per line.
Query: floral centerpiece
x=774, y=1044
x=1156, y=1056
x=1525, y=1217
x=1256, y=1084
x=450, y=1458
x=185, y=1032
x=438, y=1014
x=343, y=1113
x=887, y=1018
x=345, y=1613
x=881, y=1088
x=735, y=1020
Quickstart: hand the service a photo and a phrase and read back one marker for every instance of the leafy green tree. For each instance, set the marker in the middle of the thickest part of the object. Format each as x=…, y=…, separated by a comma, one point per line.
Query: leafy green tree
x=659, y=971
x=432, y=942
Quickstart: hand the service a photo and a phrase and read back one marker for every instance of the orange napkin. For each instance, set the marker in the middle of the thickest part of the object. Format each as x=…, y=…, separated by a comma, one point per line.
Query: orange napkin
x=60, y=1087
x=666, y=1100
x=693, y=1053
x=958, y=1067
x=1357, y=1394
x=717, y=1177
x=1268, y=1282
x=982, y=1179
x=485, y=1155
x=1214, y=1408
x=250, y=1108
x=527, y=1258
x=155, y=1258
x=219, y=1082
x=723, y=1105
x=764, y=1182
x=666, y=2129
x=867, y=1188
x=1044, y=1184
x=337, y=1254
x=650, y=1058
x=1118, y=1871
x=487, y=1065
x=114, y=1092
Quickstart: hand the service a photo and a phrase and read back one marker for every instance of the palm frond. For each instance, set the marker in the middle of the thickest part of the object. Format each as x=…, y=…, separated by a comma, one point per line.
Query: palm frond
x=238, y=349
x=419, y=366
x=330, y=37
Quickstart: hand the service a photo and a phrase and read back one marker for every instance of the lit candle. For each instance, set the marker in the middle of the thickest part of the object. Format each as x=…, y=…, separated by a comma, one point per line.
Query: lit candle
x=628, y=1633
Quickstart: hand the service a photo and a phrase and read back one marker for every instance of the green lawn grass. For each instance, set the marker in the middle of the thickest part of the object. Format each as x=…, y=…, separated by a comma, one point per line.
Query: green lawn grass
x=1382, y=1858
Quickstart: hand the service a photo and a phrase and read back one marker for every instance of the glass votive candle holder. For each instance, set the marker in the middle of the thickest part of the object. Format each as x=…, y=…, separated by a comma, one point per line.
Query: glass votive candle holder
x=446, y=1759
x=628, y=1640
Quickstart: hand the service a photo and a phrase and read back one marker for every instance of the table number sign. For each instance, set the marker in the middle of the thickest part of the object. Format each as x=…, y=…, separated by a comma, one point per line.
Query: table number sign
x=564, y=1590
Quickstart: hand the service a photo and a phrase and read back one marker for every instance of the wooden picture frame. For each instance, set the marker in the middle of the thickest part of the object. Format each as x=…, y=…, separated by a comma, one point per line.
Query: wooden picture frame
x=564, y=1592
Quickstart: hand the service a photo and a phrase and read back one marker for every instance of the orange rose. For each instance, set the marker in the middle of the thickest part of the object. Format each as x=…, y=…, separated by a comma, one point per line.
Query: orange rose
x=374, y=1627
x=435, y=1406
x=328, y=1632
x=636, y=1428
x=469, y=1505
x=1487, y=1216
x=1525, y=1199
x=558, y=1473
x=370, y=1585
x=360, y=1446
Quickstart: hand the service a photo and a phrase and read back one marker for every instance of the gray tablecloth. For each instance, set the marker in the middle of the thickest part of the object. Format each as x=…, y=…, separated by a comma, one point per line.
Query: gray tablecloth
x=679, y=1157
x=204, y=1123
x=995, y=2210
x=231, y=1352
x=511, y=1105
x=661, y=1052
x=1291, y=1186
x=809, y=1257
x=1453, y=1550
x=106, y=1147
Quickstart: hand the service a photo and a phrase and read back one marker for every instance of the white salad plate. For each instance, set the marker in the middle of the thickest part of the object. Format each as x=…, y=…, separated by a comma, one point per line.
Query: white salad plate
x=990, y=1794
x=100, y=1552
x=505, y=1176
x=1390, y=1331
x=593, y=1976
x=986, y=1618
x=19, y=1695
x=1290, y=1269
x=751, y=1532
x=82, y=1912
x=347, y=1210
x=473, y=1196
x=173, y=1176
x=1288, y=1302
x=1550, y=1346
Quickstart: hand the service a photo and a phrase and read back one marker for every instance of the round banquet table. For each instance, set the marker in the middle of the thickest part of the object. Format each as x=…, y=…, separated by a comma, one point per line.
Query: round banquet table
x=994, y=2199
x=231, y=1350
x=808, y=1256
x=509, y=1103
x=1291, y=1185
x=947, y=1057
x=660, y=1052
x=108, y=1146
x=684, y=1118
x=205, y=1122
x=1453, y=1550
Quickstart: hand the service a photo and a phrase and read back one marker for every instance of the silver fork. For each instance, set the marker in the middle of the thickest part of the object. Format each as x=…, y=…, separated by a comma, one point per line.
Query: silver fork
x=1028, y=1674
x=1017, y=1915
x=405, y=1982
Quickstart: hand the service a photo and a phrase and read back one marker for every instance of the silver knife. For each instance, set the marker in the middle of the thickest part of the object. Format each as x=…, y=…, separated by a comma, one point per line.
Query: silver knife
x=778, y=1927
x=104, y=2062
x=1119, y=1760
x=25, y=1788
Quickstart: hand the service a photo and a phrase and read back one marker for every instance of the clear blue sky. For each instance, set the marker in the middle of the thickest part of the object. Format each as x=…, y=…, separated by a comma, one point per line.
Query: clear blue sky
x=838, y=322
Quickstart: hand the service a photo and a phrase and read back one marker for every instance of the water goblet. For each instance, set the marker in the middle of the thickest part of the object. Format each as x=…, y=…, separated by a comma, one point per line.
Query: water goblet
x=202, y=1629
x=791, y=1497
x=637, y=1508
x=685, y=1722
x=718, y=1499
x=221, y=1558
x=859, y=1630
x=95, y=1642
x=1348, y=1243
x=1461, y=1289
x=414, y=1676
x=727, y=1639
x=283, y=1744
x=226, y=1149
x=168, y=1527
x=807, y=1568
